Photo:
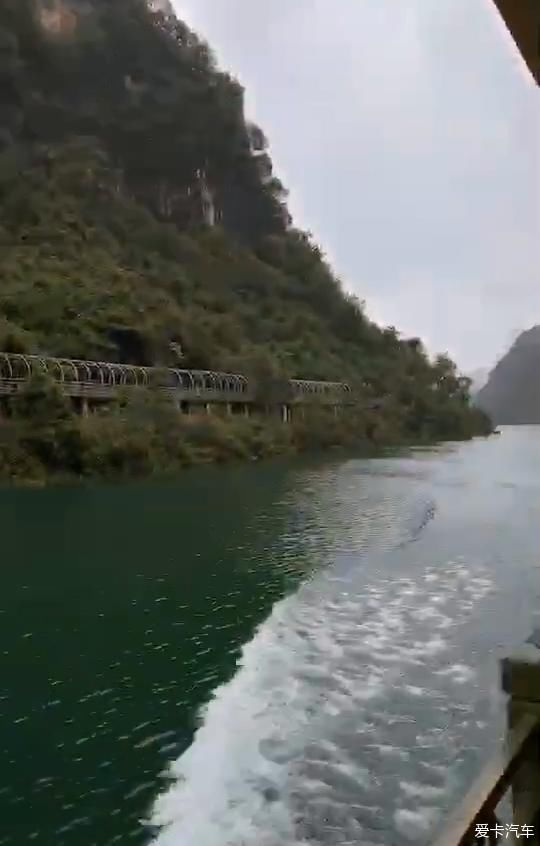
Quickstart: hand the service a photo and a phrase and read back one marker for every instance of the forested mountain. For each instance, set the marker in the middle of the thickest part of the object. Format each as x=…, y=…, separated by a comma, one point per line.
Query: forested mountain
x=141, y=216
x=512, y=392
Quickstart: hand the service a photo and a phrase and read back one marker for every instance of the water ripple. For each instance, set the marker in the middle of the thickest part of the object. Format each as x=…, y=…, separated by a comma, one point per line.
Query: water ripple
x=304, y=744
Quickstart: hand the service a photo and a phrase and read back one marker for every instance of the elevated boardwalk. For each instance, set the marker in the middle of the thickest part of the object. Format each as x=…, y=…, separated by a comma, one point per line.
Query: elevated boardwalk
x=93, y=382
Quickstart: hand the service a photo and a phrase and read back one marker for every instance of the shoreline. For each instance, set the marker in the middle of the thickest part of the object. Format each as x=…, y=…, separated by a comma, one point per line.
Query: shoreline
x=360, y=449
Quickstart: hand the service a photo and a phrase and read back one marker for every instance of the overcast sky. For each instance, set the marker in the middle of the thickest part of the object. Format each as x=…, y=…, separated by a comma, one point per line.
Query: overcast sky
x=408, y=134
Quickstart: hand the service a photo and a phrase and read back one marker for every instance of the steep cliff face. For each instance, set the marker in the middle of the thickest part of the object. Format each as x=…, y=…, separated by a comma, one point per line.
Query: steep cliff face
x=141, y=215
x=136, y=78
x=512, y=392
x=161, y=7
x=57, y=18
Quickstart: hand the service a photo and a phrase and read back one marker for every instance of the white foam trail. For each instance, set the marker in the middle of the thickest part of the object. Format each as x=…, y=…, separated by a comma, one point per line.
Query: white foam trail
x=318, y=703
x=237, y=759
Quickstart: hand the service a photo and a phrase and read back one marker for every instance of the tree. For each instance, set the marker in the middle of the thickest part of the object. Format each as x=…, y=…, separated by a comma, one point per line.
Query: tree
x=48, y=429
x=271, y=385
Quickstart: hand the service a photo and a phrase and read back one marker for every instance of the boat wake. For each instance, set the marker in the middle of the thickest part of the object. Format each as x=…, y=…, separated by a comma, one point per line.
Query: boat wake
x=342, y=723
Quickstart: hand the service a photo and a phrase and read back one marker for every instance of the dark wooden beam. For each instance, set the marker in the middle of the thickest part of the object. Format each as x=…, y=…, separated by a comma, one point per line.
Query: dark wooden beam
x=481, y=802
x=522, y=17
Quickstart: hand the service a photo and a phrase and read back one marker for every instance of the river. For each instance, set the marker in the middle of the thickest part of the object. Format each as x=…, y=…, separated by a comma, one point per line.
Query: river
x=282, y=654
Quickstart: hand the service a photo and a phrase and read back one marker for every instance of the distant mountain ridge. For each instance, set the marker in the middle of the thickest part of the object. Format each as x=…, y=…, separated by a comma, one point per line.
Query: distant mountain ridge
x=512, y=392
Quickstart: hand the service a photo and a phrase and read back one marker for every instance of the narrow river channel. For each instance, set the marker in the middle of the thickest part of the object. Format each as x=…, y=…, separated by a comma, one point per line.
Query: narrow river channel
x=291, y=654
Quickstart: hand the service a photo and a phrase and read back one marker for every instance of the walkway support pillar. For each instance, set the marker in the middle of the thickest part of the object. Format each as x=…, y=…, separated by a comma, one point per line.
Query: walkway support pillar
x=84, y=407
x=285, y=413
x=208, y=408
x=246, y=410
x=521, y=680
x=229, y=409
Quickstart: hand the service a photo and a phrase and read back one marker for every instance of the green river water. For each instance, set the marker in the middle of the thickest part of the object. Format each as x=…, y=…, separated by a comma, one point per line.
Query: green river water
x=280, y=654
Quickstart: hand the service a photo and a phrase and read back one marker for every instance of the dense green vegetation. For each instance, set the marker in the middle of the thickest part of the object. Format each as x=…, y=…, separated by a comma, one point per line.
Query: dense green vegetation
x=120, y=143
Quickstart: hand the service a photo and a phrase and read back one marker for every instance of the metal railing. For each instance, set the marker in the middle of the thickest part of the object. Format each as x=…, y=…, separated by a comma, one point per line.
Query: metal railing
x=101, y=380
x=478, y=811
x=515, y=767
